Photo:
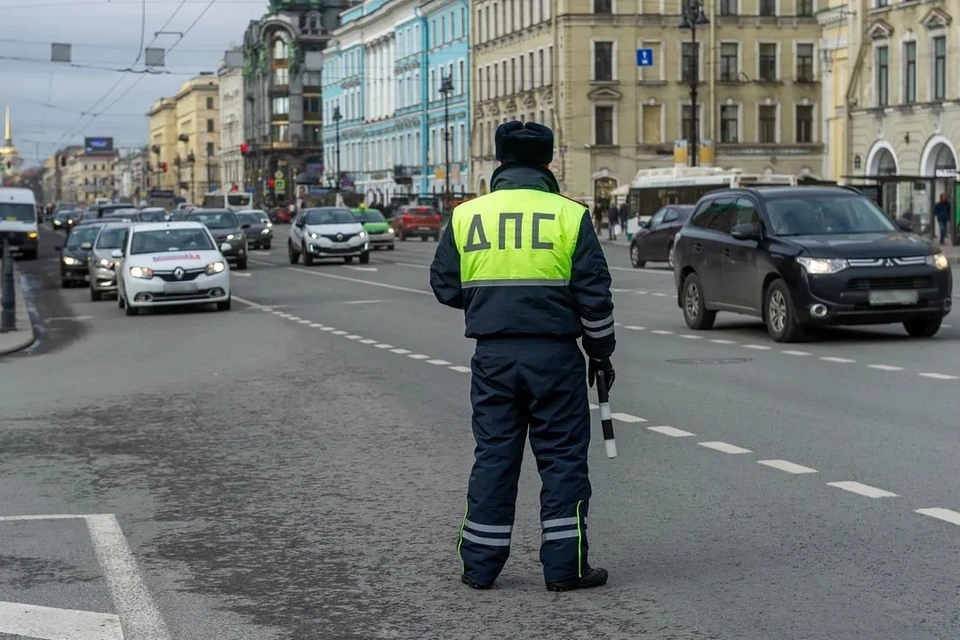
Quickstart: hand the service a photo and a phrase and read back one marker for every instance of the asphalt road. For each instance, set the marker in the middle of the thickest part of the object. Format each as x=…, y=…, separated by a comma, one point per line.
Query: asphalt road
x=296, y=469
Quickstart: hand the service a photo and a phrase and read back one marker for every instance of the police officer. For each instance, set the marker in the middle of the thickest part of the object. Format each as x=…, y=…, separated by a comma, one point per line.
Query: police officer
x=525, y=265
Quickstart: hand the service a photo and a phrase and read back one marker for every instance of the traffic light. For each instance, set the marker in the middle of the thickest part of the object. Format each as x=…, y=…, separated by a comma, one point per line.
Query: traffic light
x=271, y=182
x=164, y=167
x=244, y=148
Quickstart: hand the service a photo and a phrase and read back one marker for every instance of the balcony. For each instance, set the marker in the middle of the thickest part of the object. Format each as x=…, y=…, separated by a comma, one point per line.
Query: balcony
x=403, y=174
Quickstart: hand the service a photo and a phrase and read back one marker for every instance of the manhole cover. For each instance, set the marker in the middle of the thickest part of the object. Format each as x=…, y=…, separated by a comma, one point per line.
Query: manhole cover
x=709, y=360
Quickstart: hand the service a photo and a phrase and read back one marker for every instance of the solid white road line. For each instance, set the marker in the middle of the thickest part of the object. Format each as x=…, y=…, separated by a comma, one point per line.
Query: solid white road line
x=417, y=356
x=721, y=341
x=367, y=341
x=862, y=489
x=946, y=515
x=47, y=623
x=401, y=352
x=835, y=359
x=439, y=363
x=383, y=345
x=791, y=352
x=758, y=347
x=673, y=432
x=635, y=328
x=724, y=447
x=662, y=332
x=786, y=465
x=138, y=613
x=626, y=417
x=884, y=367
x=321, y=274
x=249, y=303
x=938, y=376
x=460, y=369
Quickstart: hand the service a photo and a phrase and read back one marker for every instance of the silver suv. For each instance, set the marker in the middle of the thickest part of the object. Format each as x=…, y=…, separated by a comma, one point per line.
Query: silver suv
x=103, y=274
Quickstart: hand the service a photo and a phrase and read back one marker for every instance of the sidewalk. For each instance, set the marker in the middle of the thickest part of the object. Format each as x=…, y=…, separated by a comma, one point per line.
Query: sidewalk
x=952, y=252
x=23, y=337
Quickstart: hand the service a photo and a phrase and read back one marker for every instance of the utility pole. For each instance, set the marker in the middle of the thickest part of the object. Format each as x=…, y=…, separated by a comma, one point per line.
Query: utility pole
x=446, y=89
x=337, y=117
x=694, y=16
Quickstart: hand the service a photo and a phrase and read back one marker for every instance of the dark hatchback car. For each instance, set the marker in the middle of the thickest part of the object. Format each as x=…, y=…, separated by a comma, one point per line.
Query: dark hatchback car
x=260, y=230
x=226, y=229
x=654, y=240
x=805, y=257
x=75, y=252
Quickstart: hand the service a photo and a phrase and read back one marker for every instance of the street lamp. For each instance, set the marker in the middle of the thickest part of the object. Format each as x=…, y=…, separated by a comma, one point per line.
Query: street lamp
x=446, y=90
x=693, y=17
x=337, y=117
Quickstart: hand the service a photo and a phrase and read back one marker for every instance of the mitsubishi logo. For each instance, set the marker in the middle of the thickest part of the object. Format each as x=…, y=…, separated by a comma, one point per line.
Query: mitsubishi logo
x=178, y=273
x=888, y=263
x=339, y=237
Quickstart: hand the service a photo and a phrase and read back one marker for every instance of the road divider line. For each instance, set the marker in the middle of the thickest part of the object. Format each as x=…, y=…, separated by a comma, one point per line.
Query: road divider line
x=757, y=347
x=302, y=321
x=460, y=369
x=48, y=623
x=659, y=294
x=722, y=341
x=249, y=303
x=635, y=328
x=439, y=362
x=946, y=515
x=724, y=447
x=938, y=376
x=626, y=417
x=383, y=345
x=400, y=352
x=838, y=360
x=673, y=432
x=321, y=274
x=368, y=341
x=353, y=336
x=338, y=332
x=329, y=329
x=234, y=274
x=884, y=367
x=642, y=271
x=862, y=489
x=662, y=332
x=690, y=336
x=791, y=352
x=417, y=356
x=316, y=326
x=786, y=465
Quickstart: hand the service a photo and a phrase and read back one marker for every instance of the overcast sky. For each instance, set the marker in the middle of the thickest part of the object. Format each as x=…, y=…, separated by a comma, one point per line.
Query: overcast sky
x=105, y=34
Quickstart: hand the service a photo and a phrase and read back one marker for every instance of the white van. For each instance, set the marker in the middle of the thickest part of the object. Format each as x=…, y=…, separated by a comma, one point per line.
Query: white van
x=233, y=200
x=18, y=222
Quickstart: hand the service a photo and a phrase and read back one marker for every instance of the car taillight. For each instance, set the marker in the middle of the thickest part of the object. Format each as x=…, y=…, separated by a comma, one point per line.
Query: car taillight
x=407, y=218
x=437, y=218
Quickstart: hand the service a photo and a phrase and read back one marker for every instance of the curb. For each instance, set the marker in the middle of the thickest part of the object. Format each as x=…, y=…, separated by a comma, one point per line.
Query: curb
x=22, y=337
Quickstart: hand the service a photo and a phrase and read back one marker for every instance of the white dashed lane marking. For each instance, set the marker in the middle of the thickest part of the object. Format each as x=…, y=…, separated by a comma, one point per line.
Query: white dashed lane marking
x=635, y=328
x=662, y=332
x=791, y=352
x=673, y=432
x=722, y=341
x=862, y=489
x=401, y=352
x=757, y=347
x=884, y=367
x=938, y=376
x=626, y=417
x=417, y=356
x=339, y=333
x=836, y=359
x=438, y=362
x=316, y=326
x=690, y=336
x=367, y=341
x=786, y=465
x=383, y=345
x=460, y=369
x=946, y=515
x=353, y=336
x=724, y=447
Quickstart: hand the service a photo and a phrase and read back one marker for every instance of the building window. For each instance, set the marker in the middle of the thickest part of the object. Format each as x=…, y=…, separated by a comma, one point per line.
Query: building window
x=688, y=60
x=805, y=62
x=804, y=124
x=281, y=76
x=210, y=149
x=461, y=77
x=603, y=61
x=603, y=6
x=603, y=125
x=279, y=50
x=311, y=106
x=729, y=124
x=513, y=75
x=768, y=62
x=883, y=76
x=523, y=80
x=281, y=133
x=729, y=62
x=210, y=125
x=311, y=79
x=209, y=103
x=804, y=7
x=687, y=122
x=940, y=68
x=281, y=106
x=910, y=72
x=542, y=76
x=728, y=7
x=768, y=7
x=767, y=119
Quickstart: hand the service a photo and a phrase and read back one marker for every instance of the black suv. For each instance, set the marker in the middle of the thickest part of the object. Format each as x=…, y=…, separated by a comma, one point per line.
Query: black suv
x=802, y=257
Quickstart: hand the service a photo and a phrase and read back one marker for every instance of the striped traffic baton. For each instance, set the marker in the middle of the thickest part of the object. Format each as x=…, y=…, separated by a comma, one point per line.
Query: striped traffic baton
x=606, y=419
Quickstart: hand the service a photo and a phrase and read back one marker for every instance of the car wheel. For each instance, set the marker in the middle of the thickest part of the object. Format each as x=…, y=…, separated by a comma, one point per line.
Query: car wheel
x=423, y=238
x=266, y=246
x=307, y=258
x=779, y=314
x=390, y=247
x=130, y=311
x=348, y=259
x=241, y=264
x=120, y=302
x=30, y=255
x=923, y=327
x=224, y=305
x=95, y=296
x=670, y=256
x=696, y=315
x=635, y=256
x=365, y=258
x=294, y=256
x=65, y=283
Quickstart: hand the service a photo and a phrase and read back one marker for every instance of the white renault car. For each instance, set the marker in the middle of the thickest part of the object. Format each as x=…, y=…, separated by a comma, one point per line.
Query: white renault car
x=171, y=263
x=327, y=232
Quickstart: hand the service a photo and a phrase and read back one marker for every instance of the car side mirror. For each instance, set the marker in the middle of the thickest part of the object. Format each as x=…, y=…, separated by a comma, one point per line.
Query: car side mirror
x=746, y=232
x=116, y=253
x=299, y=223
x=86, y=246
x=245, y=226
x=905, y=224
x=225, y=247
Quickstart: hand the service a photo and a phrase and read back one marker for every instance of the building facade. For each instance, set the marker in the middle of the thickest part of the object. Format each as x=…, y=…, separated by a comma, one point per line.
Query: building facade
x=232, y=101
x=198, y=137
x=839, y=40
x=163, y=144
x=130, y=176
x=10, y=159
x=756, y=65
x=283, y=60
x=905, y=114
x=89, y=177
x=398, y=75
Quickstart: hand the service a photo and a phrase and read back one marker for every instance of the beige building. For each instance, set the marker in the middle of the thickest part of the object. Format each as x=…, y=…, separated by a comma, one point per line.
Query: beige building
x=89, y=177
x=905, y=118
x=185, y=136
x=573, y=65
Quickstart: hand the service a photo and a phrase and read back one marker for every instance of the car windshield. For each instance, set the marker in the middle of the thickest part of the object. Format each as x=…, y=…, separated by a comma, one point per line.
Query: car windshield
x=370, y=215
x=826, y=215
x=156, y=215
x=249, y=218
x=17, y=212
x=328, y=216
x=111, y=238
x=261, y=215
x=79, y=235
x=216, y=220
x=167, y=240
x=63, y=215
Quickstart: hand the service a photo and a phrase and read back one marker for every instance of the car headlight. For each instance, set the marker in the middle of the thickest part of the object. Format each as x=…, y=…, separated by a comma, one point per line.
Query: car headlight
x=390, y=230
x=363, y=234
x=106, y=264
x=32, y=235
x=269, y=224
x=939, y=261
x=141, y=272
x=265, y=232
x=822, y=266
x=70, y=261
x=214, y=268
x=235, y=236
x=314, y=236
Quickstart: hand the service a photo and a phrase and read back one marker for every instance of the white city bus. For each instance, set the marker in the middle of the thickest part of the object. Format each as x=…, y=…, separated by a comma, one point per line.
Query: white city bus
x=233, y=200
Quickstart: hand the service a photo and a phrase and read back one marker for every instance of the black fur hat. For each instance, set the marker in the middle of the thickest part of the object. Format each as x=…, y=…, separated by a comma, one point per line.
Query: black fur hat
x=529, y=144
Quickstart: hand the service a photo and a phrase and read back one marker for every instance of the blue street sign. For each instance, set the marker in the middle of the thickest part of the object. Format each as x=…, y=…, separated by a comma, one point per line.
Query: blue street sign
x=644, y=57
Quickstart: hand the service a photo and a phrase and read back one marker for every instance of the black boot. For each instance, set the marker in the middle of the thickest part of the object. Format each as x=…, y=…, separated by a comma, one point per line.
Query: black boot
x=474, y=585
x=591, y=578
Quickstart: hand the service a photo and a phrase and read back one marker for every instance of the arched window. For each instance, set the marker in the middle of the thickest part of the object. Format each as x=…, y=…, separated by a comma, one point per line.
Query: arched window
x=279, y=49
x=313, y=23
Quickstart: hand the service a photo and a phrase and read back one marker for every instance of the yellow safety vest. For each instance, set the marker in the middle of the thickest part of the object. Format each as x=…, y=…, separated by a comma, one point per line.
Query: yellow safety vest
x=516, y=237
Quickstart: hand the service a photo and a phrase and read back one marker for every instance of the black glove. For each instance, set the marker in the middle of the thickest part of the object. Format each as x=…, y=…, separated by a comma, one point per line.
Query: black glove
x=601, y=364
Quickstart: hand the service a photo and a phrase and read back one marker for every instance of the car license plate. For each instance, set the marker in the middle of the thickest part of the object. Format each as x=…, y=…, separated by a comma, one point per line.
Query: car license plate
x=180, y=287
x=894, y=297
x=425, y=228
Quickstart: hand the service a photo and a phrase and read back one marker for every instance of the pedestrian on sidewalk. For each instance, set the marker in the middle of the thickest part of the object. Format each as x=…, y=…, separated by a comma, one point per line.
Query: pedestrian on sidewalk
x=613, y=219
x=942, y=211
x=624, y=215
x=526, y=307
x=598, y=218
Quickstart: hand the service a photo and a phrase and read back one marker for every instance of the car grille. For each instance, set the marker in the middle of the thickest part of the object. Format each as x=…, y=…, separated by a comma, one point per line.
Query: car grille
x=376, y=233
x=344, y=238
x=188, y=275
x=903, y=282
